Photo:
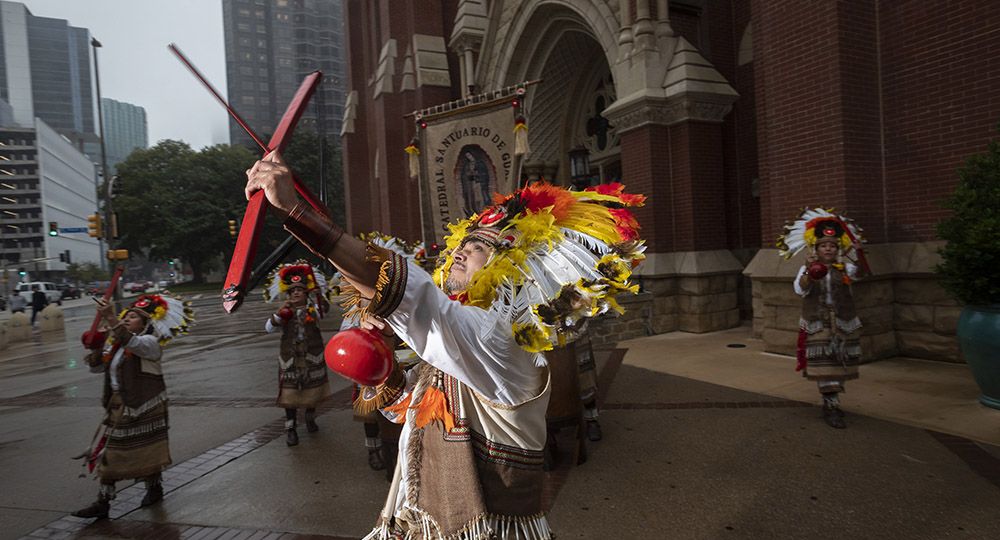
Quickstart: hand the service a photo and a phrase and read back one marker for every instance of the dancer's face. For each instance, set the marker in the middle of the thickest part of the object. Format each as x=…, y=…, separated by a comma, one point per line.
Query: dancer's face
x=134, y=322
x=826, y=251
x=468, y=260
x=297, y=296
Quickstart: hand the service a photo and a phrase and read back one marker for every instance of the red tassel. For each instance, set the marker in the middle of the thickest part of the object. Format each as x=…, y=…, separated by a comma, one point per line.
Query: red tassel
x=800, y=351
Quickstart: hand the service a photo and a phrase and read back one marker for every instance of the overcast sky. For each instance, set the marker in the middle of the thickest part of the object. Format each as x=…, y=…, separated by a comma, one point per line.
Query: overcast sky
x=137, y=68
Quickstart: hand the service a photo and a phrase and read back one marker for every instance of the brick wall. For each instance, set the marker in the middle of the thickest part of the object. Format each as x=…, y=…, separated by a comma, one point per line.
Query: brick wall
x=836, y=79
x=648, y=169
x=941, y=95
x=799, y=135
x=379, y=192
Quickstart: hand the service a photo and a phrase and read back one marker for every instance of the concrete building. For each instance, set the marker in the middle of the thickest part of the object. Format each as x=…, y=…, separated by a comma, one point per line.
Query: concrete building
x=44, y=179
x=730, y=116
x=270, y=47
x=125, y=128
x=46, y=72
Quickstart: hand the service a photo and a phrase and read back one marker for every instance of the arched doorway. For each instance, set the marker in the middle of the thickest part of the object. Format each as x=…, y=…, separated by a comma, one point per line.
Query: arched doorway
x=559, y=46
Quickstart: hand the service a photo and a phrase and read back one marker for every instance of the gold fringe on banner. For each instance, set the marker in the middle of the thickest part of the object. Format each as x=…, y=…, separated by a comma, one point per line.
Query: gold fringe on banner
x=414, y=159
x=521, y=137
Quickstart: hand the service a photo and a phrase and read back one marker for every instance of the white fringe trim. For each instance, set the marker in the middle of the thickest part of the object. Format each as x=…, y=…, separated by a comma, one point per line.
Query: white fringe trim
x=121, y=433
x=844, y=326
x=149, y=405
x=484, y=527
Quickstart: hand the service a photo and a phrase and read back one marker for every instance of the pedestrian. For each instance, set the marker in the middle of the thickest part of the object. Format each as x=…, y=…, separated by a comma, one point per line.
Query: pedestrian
x=302, y=377
x=514, y=280
x=38, y=302
x=17, y=302
x=131, y=442
x=828, y=349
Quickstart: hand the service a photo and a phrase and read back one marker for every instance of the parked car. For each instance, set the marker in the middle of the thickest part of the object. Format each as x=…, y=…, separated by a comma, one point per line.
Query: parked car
x=17, y=302
x=136, y=287
x=47, y=287
x=69, y=291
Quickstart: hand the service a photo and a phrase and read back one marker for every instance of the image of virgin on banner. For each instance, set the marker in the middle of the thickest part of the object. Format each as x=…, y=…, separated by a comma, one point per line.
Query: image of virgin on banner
x=476, y=176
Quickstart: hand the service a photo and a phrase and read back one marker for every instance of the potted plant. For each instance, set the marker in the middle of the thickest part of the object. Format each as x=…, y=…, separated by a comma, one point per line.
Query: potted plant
x=970, y=267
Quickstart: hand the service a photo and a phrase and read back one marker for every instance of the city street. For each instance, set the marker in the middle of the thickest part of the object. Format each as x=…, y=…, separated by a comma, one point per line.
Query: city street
x=682, y=456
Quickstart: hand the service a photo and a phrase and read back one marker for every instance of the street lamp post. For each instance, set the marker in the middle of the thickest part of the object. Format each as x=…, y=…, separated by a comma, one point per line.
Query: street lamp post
x=108, y=210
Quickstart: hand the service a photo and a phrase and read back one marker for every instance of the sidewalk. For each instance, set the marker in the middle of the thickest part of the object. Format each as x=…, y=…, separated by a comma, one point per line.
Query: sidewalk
x=931, y=395
x=702, y=441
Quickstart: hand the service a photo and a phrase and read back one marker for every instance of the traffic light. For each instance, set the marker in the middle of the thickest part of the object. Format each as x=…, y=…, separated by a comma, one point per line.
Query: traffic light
x=62, y=257
x=94, y=228
x=116, y=186
x=68, y=259
x=117, y=254
x=21, y=272
x=53, y=228
x=232, y=228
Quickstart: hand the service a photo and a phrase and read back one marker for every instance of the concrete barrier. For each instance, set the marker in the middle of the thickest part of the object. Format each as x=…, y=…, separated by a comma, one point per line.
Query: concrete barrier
x=51, y=319
x=18, y=328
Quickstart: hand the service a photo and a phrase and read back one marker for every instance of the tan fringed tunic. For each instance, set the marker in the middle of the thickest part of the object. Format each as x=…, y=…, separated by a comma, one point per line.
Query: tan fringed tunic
x=302, y=377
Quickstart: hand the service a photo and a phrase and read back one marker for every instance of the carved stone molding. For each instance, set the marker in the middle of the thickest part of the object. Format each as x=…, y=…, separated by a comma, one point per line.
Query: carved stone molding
x=634, y=113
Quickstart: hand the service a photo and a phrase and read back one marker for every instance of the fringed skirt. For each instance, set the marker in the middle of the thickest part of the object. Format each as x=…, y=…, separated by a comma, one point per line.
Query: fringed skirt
x=830, y=355
x=303, y=382
x=137, y=444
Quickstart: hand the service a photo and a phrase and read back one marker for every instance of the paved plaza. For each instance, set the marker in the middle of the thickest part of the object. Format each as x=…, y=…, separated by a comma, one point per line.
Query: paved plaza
x=705, y=436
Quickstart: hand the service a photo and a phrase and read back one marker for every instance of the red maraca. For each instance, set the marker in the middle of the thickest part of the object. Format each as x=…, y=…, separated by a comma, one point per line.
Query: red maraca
x=817, y=270
x=285, y=313
x=359, y=355
x=92, y=339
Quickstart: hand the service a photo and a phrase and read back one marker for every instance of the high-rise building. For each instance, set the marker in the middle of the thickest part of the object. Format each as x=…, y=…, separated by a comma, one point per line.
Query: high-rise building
x=125, y=130
x=44, y=180
x=270, y=47
x=45, y=71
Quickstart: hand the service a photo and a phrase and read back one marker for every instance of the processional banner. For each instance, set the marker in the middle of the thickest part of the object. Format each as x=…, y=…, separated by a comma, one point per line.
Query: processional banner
x=464, y=151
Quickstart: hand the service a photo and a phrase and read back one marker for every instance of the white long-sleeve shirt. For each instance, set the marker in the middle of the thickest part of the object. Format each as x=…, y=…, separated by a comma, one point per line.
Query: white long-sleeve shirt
x=469, y=343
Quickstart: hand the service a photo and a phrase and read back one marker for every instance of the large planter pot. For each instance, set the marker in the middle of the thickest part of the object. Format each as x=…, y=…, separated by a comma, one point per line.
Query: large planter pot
x=979, y=337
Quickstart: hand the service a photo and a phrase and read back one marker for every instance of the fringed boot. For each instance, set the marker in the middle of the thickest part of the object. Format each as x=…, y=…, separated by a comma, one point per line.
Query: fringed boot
x=291, y=436
x=98, y=509
x=311, y=425
x=154, y=490
x=832, y=414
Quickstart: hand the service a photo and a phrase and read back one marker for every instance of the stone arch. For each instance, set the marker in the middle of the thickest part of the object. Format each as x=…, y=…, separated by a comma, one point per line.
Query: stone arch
x=555, y=103
x=745, y=54
x=534, y=22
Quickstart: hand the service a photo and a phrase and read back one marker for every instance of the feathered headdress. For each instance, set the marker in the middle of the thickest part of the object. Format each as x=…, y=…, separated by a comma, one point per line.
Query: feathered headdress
x=560, y=257
x=818, y=224
x=169, y=316
x=286, y=276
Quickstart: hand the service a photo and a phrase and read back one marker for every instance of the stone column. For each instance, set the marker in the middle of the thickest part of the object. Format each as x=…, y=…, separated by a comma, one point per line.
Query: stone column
x=671, y=140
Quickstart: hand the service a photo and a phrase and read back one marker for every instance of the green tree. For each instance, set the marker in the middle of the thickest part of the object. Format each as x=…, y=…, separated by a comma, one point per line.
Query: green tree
x=303, y=156
x=85, y=272
x=970, y=267
x=176, y=202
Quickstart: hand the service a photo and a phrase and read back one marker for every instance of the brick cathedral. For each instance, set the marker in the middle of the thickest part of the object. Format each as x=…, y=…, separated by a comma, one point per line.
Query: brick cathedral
x=729, y=115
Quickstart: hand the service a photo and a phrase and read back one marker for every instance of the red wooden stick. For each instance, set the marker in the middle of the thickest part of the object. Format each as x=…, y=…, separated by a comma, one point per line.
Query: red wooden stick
x=92, y=339
x=299, y=186
x=234, y=290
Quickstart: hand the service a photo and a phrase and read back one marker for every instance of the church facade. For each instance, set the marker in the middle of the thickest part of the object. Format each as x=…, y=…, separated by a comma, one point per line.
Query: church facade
x=729, y=115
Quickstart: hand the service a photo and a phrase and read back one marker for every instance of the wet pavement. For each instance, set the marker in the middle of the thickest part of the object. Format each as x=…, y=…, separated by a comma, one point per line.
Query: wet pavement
x=693, y=448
